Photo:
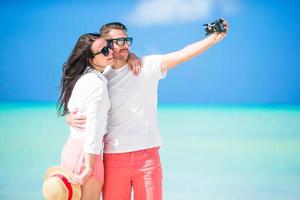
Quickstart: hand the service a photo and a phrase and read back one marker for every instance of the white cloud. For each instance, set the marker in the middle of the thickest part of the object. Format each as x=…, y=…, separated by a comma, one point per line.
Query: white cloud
x=230, y=6
x=152, y=12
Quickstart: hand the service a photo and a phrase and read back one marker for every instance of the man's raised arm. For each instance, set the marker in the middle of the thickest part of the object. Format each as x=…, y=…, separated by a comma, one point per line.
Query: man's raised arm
x=172, y=59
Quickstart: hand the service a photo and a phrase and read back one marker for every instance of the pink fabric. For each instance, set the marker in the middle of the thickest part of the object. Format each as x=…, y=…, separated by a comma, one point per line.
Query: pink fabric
x=139, y=169
x=72, y=158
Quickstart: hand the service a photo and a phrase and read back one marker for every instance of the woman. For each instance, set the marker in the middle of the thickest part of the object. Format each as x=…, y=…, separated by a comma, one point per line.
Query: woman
x=83, y=86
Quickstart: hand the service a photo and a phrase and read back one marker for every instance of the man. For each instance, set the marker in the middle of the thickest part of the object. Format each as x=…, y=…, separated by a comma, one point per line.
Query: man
x=131, y=152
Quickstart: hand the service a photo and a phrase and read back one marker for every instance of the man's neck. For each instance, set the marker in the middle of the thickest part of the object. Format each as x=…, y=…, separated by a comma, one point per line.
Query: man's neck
x=118, y=64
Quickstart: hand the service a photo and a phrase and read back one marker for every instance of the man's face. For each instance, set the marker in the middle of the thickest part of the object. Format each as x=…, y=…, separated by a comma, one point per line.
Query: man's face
x=120, y=52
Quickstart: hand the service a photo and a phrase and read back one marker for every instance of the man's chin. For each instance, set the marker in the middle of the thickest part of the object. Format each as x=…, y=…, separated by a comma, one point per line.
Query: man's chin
x=124, y=55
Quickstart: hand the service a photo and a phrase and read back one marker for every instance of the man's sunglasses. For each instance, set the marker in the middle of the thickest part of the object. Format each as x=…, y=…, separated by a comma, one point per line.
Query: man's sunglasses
x=104, y=51
x=121, y=41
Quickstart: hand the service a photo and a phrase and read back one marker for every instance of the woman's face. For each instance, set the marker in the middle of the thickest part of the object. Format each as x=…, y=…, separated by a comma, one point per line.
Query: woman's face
x=103, y=56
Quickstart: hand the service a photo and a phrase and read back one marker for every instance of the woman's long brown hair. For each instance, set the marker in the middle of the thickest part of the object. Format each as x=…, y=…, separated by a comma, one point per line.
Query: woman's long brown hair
x=75, y=66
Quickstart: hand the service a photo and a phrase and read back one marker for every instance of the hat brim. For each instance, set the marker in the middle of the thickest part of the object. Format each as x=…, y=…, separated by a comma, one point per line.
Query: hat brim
x=60, y=170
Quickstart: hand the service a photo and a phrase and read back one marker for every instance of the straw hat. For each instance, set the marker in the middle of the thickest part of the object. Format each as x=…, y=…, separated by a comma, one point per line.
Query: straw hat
x=57, y=187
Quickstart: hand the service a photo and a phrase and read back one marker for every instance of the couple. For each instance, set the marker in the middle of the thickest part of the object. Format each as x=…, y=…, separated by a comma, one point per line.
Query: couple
x=118, y=107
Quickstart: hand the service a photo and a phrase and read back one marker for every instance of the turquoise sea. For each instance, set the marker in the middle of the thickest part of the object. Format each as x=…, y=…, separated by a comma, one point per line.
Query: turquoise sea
x=210, y=152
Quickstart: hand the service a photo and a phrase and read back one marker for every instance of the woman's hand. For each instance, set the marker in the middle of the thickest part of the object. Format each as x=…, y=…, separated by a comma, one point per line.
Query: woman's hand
x=82, y=178
x=88, y=167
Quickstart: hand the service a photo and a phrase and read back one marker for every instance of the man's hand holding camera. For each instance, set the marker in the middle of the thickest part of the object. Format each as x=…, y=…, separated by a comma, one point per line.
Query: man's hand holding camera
x=216, y=30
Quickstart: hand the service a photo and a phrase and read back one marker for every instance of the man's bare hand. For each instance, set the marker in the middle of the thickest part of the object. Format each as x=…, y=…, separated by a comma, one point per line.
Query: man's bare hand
x=135, y=63
x=76, y=120
x=217, y=37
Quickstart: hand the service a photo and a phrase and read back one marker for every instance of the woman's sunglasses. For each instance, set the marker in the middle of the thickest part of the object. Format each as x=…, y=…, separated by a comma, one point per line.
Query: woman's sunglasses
x=104, y=51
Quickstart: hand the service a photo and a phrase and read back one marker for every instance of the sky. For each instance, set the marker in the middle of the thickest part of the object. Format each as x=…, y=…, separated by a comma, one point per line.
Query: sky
x=257, y=63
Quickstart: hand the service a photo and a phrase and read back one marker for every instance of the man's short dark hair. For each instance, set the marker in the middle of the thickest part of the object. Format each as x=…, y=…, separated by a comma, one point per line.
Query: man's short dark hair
x=109, y=26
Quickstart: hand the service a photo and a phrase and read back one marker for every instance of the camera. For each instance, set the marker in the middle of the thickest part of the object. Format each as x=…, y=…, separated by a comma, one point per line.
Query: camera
x=216, y=26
